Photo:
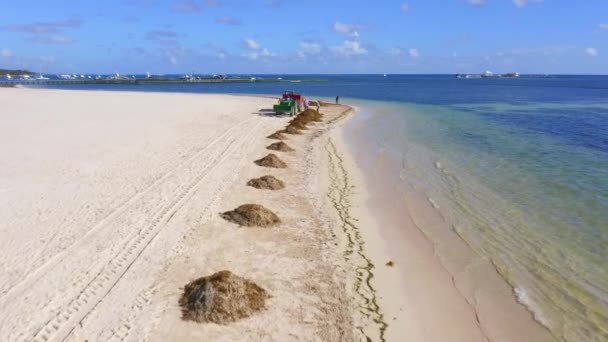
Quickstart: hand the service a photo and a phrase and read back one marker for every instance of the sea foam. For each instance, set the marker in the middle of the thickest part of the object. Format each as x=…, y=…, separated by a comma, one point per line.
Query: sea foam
x=433, y=203
x=524, y=299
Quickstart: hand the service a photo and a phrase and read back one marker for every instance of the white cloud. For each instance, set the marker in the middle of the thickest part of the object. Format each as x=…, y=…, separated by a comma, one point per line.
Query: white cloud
x=171, y=57
x=395, y=51
x=343, y=27
x=255, y=50
x=405, y=7
x=523, y=3
x=266, y=53
x=4, y=52
x=591, y=51
x=476, y=2
x=348, y=29
x=349, y=48
x=603, y=26
x=256, y=55
x=411, y=52
x=174, y=54
x=310, y=48
x=251, y=44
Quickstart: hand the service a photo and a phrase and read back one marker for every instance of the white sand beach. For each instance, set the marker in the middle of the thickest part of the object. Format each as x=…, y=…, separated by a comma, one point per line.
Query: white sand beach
x=110, y=204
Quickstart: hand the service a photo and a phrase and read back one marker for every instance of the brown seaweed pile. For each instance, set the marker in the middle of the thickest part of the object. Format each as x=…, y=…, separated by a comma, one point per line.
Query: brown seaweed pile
x=221, y=298
x=280, y=146
x=277, y=136
x=291, y=130
x=309, y=115
x=267, y=183
x=251, y=215
x=271, y=160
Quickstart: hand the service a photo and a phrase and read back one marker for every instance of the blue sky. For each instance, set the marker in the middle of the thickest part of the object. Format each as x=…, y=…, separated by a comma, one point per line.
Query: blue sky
x=306, y=36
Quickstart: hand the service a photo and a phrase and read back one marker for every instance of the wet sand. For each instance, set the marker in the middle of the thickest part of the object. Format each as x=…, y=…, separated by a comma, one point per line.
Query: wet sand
x=451, y=293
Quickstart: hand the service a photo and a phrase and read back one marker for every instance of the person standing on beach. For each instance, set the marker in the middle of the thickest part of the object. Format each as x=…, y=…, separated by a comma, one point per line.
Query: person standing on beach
x=337, y=99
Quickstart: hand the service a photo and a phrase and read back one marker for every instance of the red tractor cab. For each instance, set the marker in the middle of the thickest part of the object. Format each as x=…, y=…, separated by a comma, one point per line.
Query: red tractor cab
x=297, y=98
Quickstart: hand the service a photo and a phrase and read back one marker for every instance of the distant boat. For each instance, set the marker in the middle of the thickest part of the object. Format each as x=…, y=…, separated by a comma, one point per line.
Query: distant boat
x=41, y=78
x=118, y=76
x=384, y=75
x=489, y=74
x=511, y=75
x=9, y=77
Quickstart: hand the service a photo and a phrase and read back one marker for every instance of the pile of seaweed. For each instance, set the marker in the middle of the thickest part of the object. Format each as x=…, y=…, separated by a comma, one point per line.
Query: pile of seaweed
x=271, y=160
x=251, y=215
x=267, y=183
x=277, y=136
x=309, y=115
x=290, y=130
x=221, y=298
x=280, y=146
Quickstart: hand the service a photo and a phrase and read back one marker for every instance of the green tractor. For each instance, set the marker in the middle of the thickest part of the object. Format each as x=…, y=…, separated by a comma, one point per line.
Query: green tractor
x=285, y=106
x=290, y=103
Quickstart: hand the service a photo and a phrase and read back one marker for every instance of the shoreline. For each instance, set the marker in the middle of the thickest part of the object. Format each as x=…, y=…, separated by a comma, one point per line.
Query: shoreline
x=424, y=246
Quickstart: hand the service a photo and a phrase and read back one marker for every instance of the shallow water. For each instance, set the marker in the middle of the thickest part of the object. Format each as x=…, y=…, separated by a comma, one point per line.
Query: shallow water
x=518, y=167
x=519, y=191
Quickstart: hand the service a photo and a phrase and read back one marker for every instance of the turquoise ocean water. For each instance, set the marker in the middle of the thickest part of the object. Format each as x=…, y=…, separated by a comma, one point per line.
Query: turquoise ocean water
x=519, y=168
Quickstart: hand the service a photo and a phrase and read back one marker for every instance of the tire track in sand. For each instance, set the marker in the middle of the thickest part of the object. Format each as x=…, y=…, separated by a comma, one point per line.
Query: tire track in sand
x=10, y=293
x=97, y=281
x=128, y=326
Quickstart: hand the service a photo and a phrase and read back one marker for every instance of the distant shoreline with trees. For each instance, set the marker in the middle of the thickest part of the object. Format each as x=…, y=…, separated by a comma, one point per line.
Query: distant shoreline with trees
x=15, y=72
